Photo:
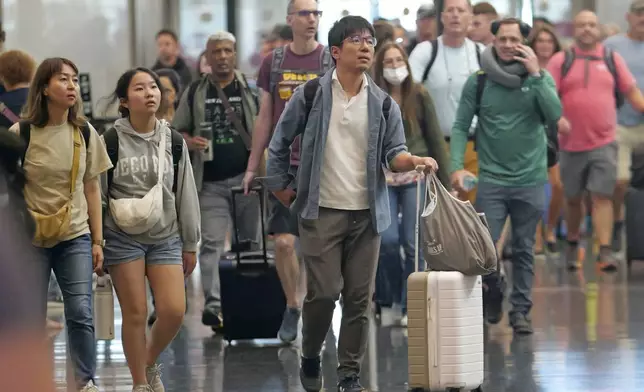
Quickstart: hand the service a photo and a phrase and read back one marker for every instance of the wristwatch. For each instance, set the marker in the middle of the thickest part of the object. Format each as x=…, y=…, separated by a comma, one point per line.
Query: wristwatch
x=100, y=243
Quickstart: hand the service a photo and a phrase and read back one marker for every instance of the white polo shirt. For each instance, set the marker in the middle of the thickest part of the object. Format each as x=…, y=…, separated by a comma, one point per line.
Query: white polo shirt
x=343, y=176
x=447, y=76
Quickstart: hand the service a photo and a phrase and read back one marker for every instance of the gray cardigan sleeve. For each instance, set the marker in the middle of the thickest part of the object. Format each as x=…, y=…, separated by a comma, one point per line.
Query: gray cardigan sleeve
x=187, y=204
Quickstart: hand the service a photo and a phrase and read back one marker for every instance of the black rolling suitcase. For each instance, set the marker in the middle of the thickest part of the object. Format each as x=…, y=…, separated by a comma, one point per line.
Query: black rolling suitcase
x=252, y=300
x=634, y=204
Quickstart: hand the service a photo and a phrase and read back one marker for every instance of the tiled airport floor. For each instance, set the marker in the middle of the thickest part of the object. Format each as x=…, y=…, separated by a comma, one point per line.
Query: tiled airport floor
x=589, y=330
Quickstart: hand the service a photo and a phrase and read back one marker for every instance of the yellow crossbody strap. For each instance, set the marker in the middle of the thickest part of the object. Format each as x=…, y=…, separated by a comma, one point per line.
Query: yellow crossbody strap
x=75, y=160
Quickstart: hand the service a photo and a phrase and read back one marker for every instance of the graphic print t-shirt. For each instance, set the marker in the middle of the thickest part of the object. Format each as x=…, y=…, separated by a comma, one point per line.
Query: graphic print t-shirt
x=228, y=153
x=295, y=71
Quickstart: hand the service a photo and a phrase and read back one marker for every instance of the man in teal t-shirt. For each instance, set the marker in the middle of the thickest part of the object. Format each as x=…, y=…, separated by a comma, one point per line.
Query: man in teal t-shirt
x=518, y=98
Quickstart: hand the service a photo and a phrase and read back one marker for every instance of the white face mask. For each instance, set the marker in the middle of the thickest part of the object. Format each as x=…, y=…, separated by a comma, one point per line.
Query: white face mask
x=395, y=76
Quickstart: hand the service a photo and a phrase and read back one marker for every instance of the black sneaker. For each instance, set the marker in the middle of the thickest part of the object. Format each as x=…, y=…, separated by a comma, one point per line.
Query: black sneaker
x=350, y=384
x=521, y=324
x=311, y=374
x=213, y=319
x=572, y=256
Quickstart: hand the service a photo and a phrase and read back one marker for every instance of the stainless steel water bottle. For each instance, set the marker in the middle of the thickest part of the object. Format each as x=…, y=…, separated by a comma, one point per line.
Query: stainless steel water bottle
x=104, y=308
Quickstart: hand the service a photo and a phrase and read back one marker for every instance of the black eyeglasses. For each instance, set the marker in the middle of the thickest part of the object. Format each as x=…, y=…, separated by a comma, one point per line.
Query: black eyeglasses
x=359, y=39
x=306, y=13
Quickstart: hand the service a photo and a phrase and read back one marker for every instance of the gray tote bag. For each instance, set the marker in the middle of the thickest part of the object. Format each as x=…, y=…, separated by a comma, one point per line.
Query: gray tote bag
x=455, y=237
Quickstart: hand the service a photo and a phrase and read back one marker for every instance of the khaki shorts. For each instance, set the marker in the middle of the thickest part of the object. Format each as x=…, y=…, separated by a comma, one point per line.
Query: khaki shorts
x=629, y=139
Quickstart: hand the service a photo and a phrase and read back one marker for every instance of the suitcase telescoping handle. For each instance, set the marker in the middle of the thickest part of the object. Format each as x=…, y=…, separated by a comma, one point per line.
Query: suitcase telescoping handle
x=421, y=172
x=259, y=191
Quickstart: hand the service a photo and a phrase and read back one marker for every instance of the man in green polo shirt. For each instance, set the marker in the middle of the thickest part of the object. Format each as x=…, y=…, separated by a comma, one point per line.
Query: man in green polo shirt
x=515, y=101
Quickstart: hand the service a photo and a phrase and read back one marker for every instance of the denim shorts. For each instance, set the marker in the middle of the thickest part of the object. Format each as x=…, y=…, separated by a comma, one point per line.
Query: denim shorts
x=121, y=248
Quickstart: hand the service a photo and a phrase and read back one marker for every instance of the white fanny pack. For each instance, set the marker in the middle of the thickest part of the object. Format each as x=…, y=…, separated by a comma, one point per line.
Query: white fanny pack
x=137, y=216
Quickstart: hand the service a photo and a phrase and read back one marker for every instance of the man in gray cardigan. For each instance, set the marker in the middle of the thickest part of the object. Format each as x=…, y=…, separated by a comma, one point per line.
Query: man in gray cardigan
x=352, y=130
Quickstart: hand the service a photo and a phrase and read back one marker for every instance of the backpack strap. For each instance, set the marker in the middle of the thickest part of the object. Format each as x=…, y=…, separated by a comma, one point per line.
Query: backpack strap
x=177, y=153
x=569, y=59
x=86, y=134
x=478, y=54
x=481, y=78
x=310, y=89
x=111, y=138
x=386, y=107
x=432, y=59
x=276, y=65
x=25, y=134
x=192, y=90
x=609, y=59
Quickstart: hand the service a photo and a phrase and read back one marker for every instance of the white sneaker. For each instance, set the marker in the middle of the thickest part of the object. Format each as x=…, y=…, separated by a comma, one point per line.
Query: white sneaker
x=153, y=375
x=403, y=321
x=90, y=387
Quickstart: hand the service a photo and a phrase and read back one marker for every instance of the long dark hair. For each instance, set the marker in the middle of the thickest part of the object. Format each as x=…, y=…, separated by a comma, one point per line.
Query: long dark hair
x=410, y=90
x=122, y=85
x=36, y=110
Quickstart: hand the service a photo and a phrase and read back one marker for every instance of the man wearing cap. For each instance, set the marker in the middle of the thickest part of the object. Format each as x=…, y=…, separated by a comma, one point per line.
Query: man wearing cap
x=426, y=27
x=630, y=122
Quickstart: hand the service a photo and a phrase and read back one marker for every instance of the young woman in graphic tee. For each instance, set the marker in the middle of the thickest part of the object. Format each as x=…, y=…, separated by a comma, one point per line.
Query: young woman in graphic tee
x=62, y=192
x=391, y=72
x=151, y=228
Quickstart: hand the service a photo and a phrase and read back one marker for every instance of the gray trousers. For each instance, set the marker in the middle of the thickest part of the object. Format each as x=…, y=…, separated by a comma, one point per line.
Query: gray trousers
x=340, y=252
x=215, y=201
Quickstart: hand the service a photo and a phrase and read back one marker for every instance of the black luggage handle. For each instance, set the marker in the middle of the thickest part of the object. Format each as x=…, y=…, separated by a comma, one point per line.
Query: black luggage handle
x=259, y=191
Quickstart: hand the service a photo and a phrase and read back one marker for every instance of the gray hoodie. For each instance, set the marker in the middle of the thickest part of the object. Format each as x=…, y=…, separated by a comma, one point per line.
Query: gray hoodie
x=136, y=173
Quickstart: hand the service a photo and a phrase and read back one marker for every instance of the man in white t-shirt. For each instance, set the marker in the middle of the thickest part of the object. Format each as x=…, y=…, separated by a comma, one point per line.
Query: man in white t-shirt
x=443, y=66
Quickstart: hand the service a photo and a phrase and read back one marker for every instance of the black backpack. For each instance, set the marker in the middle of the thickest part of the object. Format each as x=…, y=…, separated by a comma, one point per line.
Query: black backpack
x=432, y=59
x=551, y=129
x=608, y=58
x=111, y=138
x=13, y=179
x=311, y=88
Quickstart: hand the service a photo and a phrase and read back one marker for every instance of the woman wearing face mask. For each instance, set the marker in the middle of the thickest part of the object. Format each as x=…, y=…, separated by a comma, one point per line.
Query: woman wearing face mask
x=392, y=73
x=152, y=224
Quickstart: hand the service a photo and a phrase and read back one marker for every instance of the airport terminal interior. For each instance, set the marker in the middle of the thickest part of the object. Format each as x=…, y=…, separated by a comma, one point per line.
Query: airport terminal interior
x=588, y=326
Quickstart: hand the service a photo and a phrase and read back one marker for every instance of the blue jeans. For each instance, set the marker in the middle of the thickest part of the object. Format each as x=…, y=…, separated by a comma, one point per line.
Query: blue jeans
x=393, y=271
x=72, y=264
x=524, y=206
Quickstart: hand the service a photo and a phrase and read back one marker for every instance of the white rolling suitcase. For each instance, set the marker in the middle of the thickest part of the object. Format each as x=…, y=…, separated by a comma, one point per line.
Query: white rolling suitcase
x=445, y=329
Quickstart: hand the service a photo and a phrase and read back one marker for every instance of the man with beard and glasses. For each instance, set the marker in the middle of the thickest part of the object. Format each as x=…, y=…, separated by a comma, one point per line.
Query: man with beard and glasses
x=280, y=74
x=513, y=98
x=349, y=130
x=220, y=150
x=630, y=128
x=592, y=81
